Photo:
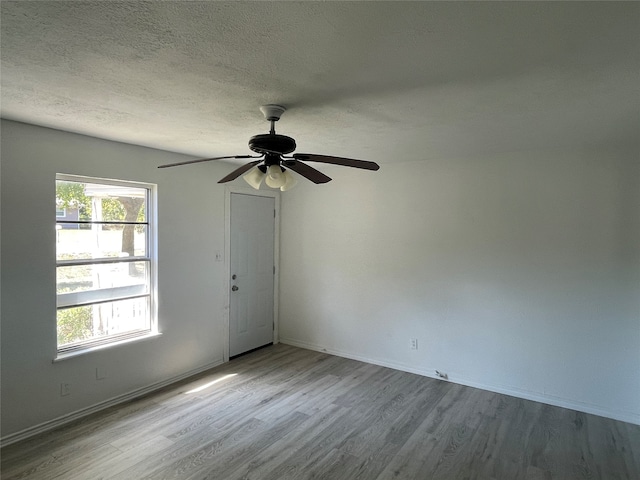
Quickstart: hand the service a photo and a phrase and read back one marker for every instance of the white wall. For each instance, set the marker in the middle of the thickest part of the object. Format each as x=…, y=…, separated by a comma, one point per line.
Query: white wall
x=190, y=282
x=517, y=273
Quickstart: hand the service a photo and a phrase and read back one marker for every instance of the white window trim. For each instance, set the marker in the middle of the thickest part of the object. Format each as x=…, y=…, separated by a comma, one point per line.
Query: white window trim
x=152, y=243
x=94, y=348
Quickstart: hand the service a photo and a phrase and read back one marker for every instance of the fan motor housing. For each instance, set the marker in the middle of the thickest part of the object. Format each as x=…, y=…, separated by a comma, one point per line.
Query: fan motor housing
x=272, y=142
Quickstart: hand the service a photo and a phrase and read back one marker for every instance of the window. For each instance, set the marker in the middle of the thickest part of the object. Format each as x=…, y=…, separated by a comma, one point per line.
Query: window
x=105, y=262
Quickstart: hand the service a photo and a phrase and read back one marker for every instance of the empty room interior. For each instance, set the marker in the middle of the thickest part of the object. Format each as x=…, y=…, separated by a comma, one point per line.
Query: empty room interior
x=387, y=240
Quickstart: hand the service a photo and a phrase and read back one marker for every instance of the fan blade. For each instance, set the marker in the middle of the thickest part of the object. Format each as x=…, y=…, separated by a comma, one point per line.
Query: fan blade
x=347, y=162
x=308, y=172
x=239, y=171
x=188, y=162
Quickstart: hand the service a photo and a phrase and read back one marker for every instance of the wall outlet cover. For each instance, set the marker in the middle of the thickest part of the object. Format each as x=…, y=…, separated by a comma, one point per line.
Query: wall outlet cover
x=65, y=389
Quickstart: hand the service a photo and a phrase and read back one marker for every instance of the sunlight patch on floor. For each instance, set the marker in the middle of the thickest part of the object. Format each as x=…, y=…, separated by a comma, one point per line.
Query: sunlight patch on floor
x=207, y=385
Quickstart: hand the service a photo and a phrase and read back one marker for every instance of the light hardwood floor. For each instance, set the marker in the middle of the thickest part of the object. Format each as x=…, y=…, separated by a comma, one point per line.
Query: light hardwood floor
x=289, y=413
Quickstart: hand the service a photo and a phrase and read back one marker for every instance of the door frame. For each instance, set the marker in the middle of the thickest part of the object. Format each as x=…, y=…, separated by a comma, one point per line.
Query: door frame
x=230, y=189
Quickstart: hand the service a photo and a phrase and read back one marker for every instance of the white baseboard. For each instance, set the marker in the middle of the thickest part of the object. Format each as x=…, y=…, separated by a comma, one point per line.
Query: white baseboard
x=622, y=416
x=70, y=417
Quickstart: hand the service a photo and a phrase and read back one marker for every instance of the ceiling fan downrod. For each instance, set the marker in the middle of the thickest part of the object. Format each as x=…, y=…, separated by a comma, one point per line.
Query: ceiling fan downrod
x=272, y=113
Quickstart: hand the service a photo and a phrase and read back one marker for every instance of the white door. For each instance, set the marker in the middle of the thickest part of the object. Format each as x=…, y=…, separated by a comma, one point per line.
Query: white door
x=252, y=272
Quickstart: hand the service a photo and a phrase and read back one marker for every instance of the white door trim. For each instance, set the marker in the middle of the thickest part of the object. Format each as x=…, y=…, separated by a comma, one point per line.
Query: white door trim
x=229, y=189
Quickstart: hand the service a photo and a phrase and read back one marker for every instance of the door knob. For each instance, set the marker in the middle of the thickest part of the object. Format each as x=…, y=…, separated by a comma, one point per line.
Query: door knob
x=234, y=288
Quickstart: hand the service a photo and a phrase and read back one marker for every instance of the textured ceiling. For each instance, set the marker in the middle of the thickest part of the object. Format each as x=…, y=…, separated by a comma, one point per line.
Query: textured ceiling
x=384, y=81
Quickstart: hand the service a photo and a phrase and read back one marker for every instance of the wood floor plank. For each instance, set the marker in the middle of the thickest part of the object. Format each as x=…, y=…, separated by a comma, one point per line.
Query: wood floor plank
x=191, y=458
x=233, y=460
x=24, y=469
x=377, y=433
x=632, y=432
x=337, y=465
x=281, y=451
x=81, y=464
x=414, y=459
x=288, y=413
x=310, y=451
x=109, y=466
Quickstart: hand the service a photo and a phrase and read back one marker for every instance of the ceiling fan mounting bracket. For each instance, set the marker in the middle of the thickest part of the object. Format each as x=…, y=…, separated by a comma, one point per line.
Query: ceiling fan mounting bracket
x=272, y=112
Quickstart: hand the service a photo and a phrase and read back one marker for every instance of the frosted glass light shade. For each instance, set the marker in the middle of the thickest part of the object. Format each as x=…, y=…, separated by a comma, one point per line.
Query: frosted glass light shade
x=275, y=177
x=254, y=177
x=290, y=181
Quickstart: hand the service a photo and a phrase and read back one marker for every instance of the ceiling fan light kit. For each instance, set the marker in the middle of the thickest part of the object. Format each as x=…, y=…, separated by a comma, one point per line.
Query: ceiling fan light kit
x=254, y=177
x=270, y=166
x=275, y=176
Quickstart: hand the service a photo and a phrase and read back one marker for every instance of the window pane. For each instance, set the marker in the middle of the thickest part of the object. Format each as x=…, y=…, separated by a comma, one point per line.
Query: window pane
x=96, y=322
x=75, y=242
x=71, y=197
x=111, y=203
x=82, y=278
x=99, y=222
x=119, y=203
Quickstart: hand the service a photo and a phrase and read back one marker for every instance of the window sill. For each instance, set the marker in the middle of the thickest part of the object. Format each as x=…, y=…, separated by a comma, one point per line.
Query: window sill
x=65, y=356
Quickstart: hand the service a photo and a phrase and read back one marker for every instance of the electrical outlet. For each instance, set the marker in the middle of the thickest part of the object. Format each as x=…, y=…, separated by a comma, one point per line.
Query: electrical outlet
x=218, y=256
x=65, y=389
x=413, y=343
x=101, y=373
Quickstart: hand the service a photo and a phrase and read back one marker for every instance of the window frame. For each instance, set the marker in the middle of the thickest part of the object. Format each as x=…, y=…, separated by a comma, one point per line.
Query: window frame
x=91, y=297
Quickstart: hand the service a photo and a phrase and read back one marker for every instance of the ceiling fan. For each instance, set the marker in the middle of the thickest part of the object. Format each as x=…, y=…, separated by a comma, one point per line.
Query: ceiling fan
x=272, y=166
